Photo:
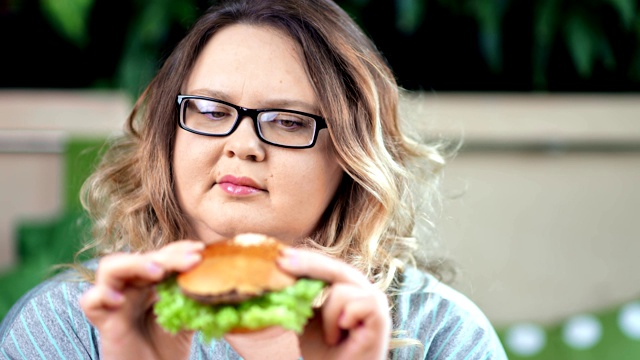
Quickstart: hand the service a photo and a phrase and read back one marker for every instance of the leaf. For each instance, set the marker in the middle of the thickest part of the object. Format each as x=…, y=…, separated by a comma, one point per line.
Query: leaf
x=457, y=6
x=608, y=59
x=139, y=61
x=409, y=15
x=69, y=17
x=546, y=19
x=490, y=41
x=627, y=11
x=139, y=58
x=489, y=14
x=581, y=41
x=185, y=12
x=153, y=22
x=634, y=68
x=545, y=27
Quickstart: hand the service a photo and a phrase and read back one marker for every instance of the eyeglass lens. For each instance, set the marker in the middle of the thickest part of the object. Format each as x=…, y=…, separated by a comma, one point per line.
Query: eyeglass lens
x=280, y=127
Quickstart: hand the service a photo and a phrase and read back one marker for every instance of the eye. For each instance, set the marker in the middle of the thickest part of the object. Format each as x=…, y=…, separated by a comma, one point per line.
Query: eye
x=215, y=111
x=215, y=115
x=289, y=123
x=286, y=121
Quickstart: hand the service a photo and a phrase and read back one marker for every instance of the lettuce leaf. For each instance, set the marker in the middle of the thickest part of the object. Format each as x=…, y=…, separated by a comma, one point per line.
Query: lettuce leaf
x=289, y=308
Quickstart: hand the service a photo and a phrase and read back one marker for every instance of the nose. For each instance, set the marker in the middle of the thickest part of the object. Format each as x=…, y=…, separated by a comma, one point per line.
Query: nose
x=244, y=142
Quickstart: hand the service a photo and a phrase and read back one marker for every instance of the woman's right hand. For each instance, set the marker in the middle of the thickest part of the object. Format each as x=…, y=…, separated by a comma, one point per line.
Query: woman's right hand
x=120, y=304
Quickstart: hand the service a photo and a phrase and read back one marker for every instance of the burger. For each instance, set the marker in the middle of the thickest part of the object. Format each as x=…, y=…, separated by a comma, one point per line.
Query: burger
x=237, y=287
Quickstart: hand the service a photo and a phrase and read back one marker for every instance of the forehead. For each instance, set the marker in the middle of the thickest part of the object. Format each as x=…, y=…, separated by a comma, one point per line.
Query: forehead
x=252, y=65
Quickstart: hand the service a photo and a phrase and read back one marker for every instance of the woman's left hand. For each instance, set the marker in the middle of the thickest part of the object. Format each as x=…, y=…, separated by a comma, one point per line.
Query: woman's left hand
x=354, y=321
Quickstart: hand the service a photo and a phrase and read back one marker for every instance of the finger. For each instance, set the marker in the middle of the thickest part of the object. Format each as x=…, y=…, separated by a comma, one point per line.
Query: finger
x=99, y=298
x=367, y=310
x=179, y=255
x=300, y=262
x=118, y=270
x=333, y=310
x=367, y=321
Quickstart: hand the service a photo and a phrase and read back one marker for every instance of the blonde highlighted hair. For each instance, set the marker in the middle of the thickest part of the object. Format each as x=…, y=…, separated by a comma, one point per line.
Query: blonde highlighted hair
x=391, y=179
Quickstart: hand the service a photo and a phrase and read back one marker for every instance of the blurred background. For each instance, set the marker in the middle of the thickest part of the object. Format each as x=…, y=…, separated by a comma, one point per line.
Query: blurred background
x=541, y=199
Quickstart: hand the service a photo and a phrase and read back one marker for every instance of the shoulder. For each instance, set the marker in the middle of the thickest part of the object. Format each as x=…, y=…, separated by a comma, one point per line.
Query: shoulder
x=48, y=320
x=445, y=321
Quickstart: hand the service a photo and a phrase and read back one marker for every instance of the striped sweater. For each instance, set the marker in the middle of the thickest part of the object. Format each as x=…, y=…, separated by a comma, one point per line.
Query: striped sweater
x=47, y=323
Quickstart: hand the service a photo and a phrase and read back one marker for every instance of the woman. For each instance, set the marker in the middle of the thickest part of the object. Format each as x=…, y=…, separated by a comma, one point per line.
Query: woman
x=331, y=176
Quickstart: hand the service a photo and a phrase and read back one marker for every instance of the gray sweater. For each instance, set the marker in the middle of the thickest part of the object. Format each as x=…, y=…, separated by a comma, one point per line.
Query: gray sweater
x=47, y=323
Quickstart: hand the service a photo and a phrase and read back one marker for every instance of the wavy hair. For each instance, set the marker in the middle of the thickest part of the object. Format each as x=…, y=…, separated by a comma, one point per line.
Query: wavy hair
x=391, y=182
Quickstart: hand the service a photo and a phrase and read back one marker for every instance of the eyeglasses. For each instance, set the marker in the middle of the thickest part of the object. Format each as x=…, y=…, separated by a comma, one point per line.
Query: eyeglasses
x=285, y=128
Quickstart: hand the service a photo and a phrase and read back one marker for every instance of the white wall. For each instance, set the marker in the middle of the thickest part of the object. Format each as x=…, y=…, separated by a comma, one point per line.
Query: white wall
x=544, y=236
x=543, y=210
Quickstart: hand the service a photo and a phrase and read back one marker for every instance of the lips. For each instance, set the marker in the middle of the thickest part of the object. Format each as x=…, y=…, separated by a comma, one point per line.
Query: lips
x=239, y=185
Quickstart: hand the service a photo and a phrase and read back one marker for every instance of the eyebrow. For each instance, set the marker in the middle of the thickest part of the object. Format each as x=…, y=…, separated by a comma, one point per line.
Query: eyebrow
x=274, y=103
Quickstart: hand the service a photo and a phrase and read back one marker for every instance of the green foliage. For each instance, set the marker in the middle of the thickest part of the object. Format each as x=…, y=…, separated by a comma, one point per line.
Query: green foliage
x=81, y=158
x=69, y=17
x=409, y=15
x=578, y=22
x=41, y=246
x=147, y=34
x=582, y=30
x=627, y=10
x=574, y=25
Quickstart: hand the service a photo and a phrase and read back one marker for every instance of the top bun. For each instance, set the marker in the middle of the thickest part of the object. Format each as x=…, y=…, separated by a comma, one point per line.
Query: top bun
x=235, y=270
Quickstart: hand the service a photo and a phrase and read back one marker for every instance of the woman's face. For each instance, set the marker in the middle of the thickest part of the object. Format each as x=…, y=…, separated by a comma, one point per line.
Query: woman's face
x=235, y=184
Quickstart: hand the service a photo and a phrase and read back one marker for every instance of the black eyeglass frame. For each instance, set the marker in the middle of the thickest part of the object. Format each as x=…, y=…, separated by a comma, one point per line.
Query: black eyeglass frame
x=243, y=112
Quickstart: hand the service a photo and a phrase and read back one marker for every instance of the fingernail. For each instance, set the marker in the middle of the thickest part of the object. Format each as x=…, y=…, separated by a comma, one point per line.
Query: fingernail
x=115, y=296
x=198, y=245
x=192, y=257
x=289, y=258
x=341, y=319
x=154, y=269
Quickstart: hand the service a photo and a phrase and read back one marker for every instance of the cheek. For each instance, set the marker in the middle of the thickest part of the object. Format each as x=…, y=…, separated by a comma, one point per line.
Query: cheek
x=191, y=158
x=326, y=172
x=179, y=166
x=318, y=182
x=181, y=159
x=331, y=175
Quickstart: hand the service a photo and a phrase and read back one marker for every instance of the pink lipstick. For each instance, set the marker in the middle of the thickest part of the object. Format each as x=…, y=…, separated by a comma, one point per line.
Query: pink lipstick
x=238, y=186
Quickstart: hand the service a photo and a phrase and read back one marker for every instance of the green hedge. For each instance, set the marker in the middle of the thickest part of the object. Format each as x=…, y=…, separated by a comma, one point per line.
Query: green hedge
x=43, y=243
